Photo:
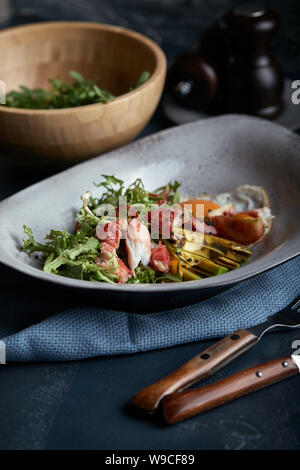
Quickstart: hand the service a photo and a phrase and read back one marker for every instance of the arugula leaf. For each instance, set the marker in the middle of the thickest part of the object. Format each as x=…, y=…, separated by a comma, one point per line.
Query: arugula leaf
x=87, y=270
x=135, y=193
x=141, y=80
x=174, y=197
x=143, y=275
x=86, y=224
x=90, y=246
x=77, y=76
x=62, y=95
x=147, y=275
x=71, y=255
x=113, y=190
x=173, y=189
x=169, y=277
x=31, y=246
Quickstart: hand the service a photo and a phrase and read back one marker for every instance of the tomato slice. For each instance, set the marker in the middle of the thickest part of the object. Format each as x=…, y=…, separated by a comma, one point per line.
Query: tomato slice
x=241, y=228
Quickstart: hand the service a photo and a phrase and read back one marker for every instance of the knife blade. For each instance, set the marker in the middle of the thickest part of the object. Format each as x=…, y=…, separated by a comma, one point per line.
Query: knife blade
x=182, y=405
x=215, y=357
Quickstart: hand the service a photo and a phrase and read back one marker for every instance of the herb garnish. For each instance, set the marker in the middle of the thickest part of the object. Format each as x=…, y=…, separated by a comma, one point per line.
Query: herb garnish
x=70, y=255
x=141, y=80
x=63, y=95
x=135, y=193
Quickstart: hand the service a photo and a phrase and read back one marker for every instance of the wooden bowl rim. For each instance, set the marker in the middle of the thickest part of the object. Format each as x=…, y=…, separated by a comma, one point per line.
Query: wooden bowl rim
x=161, y=62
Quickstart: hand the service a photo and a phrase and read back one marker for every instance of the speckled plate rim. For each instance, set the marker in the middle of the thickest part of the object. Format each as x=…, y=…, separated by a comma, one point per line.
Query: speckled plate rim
x=284, y=252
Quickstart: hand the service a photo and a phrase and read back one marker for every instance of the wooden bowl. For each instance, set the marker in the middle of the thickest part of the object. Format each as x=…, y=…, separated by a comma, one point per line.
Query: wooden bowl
x=30, y=55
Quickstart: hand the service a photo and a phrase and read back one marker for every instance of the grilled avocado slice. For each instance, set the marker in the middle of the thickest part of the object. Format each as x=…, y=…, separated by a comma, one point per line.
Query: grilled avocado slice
x=189, y=275
x=195, y=241
x=196, y=261
x=230, y=249
x=211, y=253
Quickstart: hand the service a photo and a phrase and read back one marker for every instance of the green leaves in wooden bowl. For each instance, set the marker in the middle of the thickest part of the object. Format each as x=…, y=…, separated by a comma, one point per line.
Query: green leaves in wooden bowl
x=63, y=95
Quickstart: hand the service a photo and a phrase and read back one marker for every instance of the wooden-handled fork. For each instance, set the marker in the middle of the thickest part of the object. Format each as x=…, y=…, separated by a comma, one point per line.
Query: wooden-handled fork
x=214, y=358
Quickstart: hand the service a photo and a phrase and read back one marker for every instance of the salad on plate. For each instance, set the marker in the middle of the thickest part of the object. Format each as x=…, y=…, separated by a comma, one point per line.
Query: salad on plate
x=132, y=235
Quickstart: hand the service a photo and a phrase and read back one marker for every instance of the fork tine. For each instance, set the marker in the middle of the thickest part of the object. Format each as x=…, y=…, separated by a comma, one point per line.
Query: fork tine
x=295, y=304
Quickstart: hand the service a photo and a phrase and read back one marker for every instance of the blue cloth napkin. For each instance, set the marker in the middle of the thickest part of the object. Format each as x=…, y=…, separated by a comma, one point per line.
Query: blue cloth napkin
x=88, y=332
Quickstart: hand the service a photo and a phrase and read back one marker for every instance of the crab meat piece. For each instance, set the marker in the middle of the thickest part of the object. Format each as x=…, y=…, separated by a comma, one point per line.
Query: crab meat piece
x=123, y=272
x=122, y=223
x=102, y=261
x=160, y=258
x=107, y=251
x=138, y=244
x=109, y=232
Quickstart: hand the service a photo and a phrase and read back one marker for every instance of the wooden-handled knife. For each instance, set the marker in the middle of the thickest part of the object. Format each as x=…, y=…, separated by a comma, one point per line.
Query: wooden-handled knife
x=182, y=405
x=215, y=357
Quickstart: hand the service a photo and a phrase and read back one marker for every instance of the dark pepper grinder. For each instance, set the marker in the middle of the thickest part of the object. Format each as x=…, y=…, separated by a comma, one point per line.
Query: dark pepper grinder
x=254, y=81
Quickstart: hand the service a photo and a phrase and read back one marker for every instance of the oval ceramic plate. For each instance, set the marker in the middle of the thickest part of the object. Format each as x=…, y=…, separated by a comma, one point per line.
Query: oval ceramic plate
x=213, y=155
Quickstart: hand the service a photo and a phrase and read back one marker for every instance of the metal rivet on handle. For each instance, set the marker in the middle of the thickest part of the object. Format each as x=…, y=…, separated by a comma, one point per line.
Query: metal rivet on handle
x=235, y=336
x=259, y=373
x=205, y=356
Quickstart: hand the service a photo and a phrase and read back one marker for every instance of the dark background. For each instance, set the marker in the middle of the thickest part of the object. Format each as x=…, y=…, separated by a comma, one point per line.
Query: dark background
x=85, y=405
x=174, y=24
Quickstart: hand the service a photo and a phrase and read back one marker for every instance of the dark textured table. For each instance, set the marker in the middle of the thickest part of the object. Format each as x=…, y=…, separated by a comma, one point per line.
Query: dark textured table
x=85, y=405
